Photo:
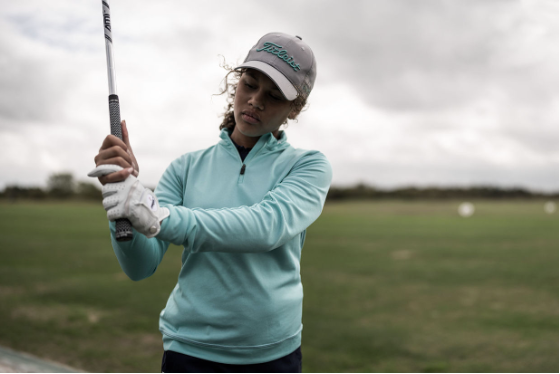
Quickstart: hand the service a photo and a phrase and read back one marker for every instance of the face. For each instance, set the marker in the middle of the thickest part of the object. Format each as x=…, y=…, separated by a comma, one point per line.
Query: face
x=259, y=108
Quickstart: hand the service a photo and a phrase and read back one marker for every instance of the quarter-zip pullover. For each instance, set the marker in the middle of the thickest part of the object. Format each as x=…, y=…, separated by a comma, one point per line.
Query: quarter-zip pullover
x=242, y=224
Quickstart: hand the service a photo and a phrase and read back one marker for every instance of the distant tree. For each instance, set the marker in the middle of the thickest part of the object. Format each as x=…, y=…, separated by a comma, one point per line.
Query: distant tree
x=14, y=192
x=362, y=191
x=61, y=185
x=89, y=191
x=36, y=193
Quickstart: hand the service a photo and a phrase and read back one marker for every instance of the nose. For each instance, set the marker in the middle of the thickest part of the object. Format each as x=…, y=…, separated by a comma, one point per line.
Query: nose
x=256, y=100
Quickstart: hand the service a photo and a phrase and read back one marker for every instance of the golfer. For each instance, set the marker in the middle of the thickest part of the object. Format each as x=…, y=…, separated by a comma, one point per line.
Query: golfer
x=240, y=209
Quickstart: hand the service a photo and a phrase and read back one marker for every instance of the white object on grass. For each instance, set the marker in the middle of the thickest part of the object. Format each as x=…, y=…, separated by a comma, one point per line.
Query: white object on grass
x=466, y=209
x=550, y=207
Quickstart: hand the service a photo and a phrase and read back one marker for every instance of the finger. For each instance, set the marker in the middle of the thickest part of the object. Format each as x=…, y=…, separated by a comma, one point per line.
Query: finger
x=110, y=202
x=111, y=153
x=115, y=161
x=118, y=176
x=126, y=139
x=114, y=214
x=111, y=141
x=102, y=170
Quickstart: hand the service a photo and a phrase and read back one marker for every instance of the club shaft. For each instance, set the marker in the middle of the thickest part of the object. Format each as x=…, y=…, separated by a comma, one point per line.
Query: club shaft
x=109, y=48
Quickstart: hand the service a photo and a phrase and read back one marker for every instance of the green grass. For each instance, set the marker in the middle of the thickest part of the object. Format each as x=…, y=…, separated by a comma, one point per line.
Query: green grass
x=389, y=286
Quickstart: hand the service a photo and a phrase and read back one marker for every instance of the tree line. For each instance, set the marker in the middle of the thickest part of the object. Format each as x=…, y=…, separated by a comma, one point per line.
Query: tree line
x=60, y=186
x=63, y=186
x=362, y=191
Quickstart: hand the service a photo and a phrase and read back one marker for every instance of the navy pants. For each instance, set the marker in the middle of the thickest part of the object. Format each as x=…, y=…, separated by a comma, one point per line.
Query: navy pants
x=173, y=362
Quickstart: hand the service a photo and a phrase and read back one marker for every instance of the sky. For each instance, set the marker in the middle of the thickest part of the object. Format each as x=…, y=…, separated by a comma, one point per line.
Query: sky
x=440, y=93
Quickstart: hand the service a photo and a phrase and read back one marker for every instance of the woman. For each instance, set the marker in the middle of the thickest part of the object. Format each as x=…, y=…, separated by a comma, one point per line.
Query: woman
x=240, y=209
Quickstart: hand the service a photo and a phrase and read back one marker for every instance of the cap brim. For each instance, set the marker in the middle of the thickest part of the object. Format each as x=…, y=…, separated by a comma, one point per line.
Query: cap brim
x=285, y=86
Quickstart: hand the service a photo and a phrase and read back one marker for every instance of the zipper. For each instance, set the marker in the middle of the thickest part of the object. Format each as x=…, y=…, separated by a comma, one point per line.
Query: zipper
x=241, y=173
x=243, y=164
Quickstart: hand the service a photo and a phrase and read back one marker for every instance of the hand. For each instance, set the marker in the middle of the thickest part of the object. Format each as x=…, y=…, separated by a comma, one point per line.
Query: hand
x=115, y=151
x=131, y=200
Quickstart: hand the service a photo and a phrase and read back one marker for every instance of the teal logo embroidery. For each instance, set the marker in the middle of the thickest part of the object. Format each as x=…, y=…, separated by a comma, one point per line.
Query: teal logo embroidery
x=277, y=50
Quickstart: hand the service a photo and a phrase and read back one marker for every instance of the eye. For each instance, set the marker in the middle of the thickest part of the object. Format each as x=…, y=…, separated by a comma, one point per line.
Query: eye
x=249, y=85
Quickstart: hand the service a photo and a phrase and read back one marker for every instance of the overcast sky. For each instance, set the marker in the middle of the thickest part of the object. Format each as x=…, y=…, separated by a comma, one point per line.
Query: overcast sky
x=408, y=92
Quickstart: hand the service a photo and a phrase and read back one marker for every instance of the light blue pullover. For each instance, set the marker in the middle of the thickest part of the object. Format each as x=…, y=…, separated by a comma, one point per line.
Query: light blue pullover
x=238, y=299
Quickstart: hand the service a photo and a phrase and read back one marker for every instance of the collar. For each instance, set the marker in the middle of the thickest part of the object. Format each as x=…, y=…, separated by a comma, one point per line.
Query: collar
x=267, y=140
x=266, y=143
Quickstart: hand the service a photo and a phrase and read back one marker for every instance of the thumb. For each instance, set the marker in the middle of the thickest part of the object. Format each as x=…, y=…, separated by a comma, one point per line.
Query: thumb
x=125, y=138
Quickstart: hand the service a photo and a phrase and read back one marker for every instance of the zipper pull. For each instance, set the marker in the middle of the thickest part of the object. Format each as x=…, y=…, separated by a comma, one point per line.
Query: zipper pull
x=242, y=170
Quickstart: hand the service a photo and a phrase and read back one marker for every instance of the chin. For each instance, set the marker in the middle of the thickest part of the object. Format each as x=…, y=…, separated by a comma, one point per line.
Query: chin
x=246, y=129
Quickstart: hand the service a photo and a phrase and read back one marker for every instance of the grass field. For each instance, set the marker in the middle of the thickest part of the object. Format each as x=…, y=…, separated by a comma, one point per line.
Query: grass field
x=389, y=286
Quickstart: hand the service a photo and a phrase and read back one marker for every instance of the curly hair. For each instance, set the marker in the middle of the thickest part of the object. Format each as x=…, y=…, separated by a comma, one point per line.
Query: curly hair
x=229, y=88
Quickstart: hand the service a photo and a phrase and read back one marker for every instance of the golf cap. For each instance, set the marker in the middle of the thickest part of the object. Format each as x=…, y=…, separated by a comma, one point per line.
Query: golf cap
x=285, y=59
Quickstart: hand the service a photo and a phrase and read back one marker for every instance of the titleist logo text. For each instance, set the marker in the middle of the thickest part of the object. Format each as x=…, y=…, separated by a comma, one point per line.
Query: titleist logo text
x=277, y=50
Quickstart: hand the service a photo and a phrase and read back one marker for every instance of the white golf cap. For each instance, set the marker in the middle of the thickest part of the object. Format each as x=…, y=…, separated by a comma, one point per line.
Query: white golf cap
x=285, y=59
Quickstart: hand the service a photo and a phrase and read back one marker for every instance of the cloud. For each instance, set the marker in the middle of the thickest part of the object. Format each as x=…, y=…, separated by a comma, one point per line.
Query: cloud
x=43, y=57
x=26, y=83
x=408, y=92
x=410, y=55
x=465, y=145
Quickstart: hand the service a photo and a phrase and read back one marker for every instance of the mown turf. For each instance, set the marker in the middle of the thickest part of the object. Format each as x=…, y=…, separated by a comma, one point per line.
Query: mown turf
x=389, y=286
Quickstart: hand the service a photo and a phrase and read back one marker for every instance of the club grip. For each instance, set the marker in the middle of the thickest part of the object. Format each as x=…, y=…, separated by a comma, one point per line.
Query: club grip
x=124, y=228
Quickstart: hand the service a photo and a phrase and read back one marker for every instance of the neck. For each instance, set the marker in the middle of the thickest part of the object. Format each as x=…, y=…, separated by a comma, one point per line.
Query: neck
x=248, y=141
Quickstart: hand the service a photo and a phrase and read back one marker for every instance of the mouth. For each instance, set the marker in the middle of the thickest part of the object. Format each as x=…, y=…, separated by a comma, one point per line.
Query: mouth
x=250, y=117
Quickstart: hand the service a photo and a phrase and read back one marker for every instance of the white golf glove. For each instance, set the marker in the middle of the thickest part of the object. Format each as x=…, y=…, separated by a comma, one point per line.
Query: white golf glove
x=129, y=199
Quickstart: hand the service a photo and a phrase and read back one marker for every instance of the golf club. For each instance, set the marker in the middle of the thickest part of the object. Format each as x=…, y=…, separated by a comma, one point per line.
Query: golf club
x=123, y=226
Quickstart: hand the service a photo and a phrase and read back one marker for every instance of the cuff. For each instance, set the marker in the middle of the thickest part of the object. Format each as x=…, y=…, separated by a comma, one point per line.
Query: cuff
x=175, y=227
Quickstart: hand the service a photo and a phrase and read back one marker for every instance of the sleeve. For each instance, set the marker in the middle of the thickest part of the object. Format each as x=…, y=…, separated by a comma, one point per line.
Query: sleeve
x=285, y=211
x=140, y=257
